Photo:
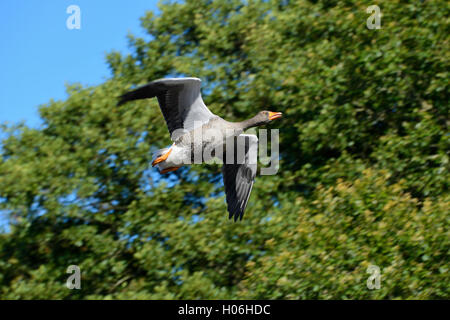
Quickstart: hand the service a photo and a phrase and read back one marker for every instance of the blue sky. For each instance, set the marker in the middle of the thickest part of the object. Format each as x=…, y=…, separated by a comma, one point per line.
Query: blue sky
x=39, y=54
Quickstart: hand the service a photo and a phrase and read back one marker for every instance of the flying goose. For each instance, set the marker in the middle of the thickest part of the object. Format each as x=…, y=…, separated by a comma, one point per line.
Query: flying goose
x=194, y=129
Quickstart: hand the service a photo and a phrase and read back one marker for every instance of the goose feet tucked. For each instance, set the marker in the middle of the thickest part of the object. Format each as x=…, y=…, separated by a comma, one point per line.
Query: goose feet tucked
x=170, y=169
x=162, y=158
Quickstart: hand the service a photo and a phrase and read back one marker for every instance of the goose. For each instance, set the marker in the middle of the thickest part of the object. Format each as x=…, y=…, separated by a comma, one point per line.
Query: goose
x=194, y=130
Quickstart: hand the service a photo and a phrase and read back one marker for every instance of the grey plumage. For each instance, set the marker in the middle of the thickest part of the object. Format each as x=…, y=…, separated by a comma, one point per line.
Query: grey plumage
x=239, y=176
x=180, y=101
x=182, y=106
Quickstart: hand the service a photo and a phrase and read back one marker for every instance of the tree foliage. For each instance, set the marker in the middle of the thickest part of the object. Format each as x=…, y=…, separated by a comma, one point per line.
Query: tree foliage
x=363, y=175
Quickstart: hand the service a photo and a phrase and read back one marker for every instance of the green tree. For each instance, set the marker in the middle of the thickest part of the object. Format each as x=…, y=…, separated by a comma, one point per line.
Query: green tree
x=363, y=177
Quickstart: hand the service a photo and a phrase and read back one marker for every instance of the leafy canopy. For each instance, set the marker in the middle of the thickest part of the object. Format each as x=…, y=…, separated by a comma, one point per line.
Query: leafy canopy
x=363, y=177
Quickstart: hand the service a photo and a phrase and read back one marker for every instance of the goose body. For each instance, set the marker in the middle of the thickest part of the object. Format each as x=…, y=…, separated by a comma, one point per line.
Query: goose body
x=199, y=136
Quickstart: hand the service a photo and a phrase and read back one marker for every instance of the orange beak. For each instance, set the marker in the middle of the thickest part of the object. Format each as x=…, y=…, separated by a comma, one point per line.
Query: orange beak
x=274, y=115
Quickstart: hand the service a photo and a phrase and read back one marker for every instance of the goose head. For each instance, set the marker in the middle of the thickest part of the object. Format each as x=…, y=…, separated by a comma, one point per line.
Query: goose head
x=262, y=118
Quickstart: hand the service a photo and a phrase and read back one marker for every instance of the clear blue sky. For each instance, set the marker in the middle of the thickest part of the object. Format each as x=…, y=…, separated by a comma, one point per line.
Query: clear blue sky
x=39, y=54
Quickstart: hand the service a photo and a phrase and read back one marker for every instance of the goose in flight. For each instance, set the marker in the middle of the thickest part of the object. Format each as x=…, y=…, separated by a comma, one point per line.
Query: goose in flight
x=196, y=133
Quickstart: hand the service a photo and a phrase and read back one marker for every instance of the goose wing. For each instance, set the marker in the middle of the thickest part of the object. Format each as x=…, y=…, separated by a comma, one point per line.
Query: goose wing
x=238, y=176
x=180, y=101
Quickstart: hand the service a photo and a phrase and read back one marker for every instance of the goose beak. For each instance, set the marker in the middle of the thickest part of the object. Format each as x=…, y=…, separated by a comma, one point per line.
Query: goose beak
x=274, y=115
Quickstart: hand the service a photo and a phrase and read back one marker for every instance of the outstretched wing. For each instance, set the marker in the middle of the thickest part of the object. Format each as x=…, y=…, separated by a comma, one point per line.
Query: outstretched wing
x=238, y=176
x=180, y=101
